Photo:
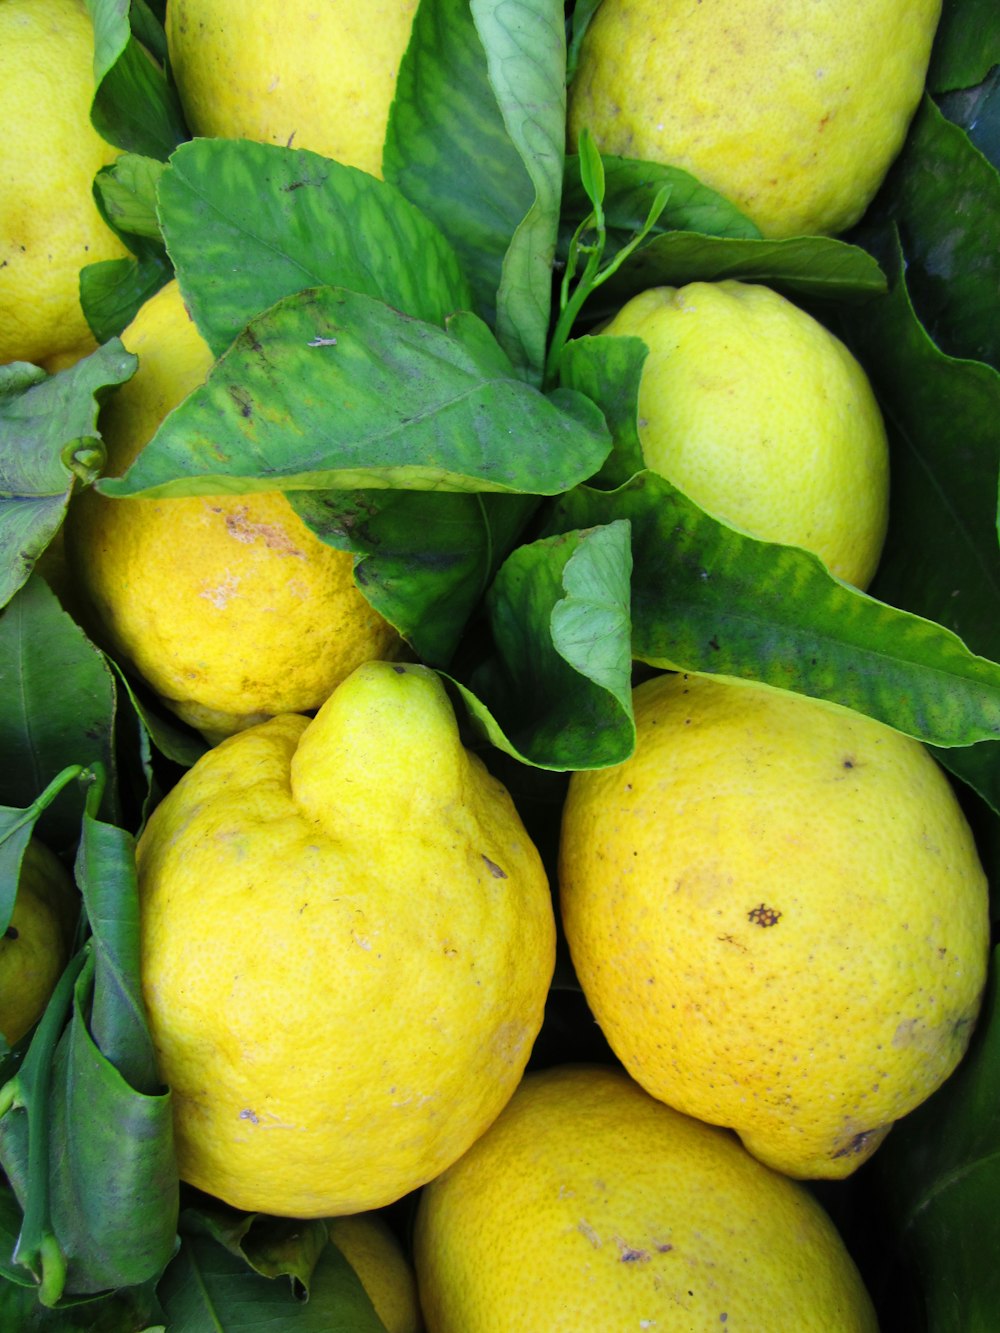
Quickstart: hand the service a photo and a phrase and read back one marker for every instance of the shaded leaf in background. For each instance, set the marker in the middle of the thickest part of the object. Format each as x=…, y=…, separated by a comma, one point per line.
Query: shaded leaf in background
x=48, y=436
x=945, y=198
x=558, y=692
x=938, y=1175
x=113, y=290
x=967, y=45
x=707, y=598
x=330, y=388
x=134, y=106
x=941, y=558
x=426, y=557
x=977, y=111
x=208, y=1287
x=131, y=1311
x=578, y=23
x=57, y=708
x=447, y=147
x=274, y=1247
x=248, y=223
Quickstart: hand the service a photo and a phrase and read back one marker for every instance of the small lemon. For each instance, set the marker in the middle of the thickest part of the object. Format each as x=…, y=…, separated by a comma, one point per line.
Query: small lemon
x=764, y=418
x=35, y=948
x=347, y=939
x=793, y=110
x=317, y=74
x=590, y=1206
x=49, y=154
x=778, y=917
x=371, y=1248
x=229, y=606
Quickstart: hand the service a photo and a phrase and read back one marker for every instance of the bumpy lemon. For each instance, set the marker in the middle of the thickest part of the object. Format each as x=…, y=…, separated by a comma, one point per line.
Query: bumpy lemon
x=35, y=947
x=794, y=111
x=764, y=418
x=778, y=916
x=317, y=74
x=49, y=154
x=347, y=940
x=373, y=1251
x=588, y=1205
x=228, y=606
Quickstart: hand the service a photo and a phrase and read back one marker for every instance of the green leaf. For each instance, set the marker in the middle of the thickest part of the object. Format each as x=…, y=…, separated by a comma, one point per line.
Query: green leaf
x=207, y=1287
x=113, y=290
x=126, y=191
x=977, y=111
x=938, y=1175
x=332, y=389
x=248, y=223
x=133, y=1310
x=945, y=197
x=608, y=371
x=134, y=106
x=48, y=437
x=707, y=598
x=426, y=557
x=582, y=12
x=967, y=44
x=274, y=1247
x=558, y=693
x=57, y=707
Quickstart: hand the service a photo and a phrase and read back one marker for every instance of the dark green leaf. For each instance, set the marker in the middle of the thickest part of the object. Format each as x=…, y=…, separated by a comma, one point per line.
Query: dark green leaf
x=133, y=1310
x=113, y=290
x=426, y=557
x=448, y=149
x=334, y=389
x=48, y=436
x=608, y=371
x=939, y=1174
x=945, y=197
x=707, y=598
x=16, y=829
x=977, y=111
x=967, y=44
x=558, y=694
x=248, y=223
x=57, y=707
x=207, y=1287
x=134, y=106
x=583, y=12
x=272, y=1246
x=173, y=740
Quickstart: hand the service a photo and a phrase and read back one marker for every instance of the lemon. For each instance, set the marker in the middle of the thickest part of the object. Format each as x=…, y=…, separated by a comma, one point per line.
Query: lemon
x=590, y=1206
x=778, y=917
x=794, y=111
x=35, y=947
x=49, y=154
x=763, y=418
x=317, y=74
x=229, y=606
x=347, y=939
x=373, y=1251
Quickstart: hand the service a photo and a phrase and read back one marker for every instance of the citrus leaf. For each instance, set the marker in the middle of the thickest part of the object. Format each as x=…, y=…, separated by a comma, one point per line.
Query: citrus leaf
x=113, y=290
x=938, y=1175
x=126, y=193
x=707, y=598
x=977, y=111
x=272, y=1246
x=967, y=44
x=48, y=436
x=57, y=708
x=608, y=370
x=945, y=197
x=332, y=389
x=558, y=693
x=134, y=106
x=248, y=223
x=582, y=12
x=426, y=557
x=208, y=1287
x=130, y=1311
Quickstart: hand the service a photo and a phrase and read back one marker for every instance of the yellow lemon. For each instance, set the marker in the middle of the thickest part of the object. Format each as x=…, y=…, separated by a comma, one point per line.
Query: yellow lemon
x=764, y=418
x=35, y=947
x=590, y=1206
x=778, y=917
x=49, y=154
x=794, y=110
x=229, y=606
x=317, y=74
x=371, y=1248
x=347, y=941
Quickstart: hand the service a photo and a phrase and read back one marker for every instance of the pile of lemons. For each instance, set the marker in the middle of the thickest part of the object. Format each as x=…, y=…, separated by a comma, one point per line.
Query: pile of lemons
x=775, y=908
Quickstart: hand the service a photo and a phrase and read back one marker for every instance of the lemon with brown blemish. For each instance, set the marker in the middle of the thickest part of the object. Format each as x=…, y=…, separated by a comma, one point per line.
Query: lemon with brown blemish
x=778, y=916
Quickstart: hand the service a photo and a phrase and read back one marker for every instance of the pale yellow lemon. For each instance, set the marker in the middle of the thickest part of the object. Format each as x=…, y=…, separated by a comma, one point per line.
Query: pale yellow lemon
x=347, y=941
x=793, y=110
x=228, y=606
x=778, y=916
x=35, y=947
x=373, y=1251
x=49, y=154
x=764, y=418
x=590, y=1206
x=317, y=74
